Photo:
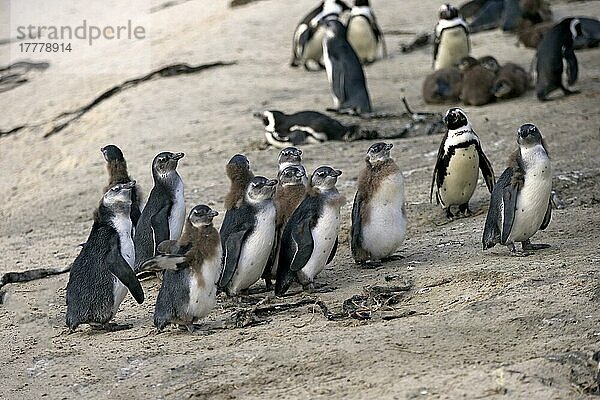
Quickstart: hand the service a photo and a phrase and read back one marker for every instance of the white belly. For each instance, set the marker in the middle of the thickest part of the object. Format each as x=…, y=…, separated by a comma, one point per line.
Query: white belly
x=386, y=228
x=532, y=202
x=313, y=50
x=324, y=235
x=177, y=215
x=203, y=298
x=453, y=47
x=255, y=251
x=329, y=69
x=362, y=38
x=123, y=227
x=461, y=179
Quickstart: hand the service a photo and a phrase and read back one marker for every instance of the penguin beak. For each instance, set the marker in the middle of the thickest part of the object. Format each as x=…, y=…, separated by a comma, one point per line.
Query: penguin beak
x=177, y=156
x=257, y=114
x=213, y=213
x=336, y=172
x=129, y=185
x=271, y=182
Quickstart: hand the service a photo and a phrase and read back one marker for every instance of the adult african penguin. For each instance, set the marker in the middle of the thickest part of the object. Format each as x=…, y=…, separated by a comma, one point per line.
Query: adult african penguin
x=364, y=33
x=451, y=42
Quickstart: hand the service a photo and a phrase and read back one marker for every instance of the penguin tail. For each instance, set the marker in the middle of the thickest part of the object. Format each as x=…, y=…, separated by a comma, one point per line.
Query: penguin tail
x=162, y=263
x=283, y=283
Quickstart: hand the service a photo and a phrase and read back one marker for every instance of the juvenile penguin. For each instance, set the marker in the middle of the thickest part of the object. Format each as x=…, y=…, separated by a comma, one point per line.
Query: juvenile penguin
x=459, y=160
x=378, y=212
x=192, y=267
x=557, y=44
x=451, y=38
x=521, y=200
x=309, y=240
x=164, y=214
x=478, y=82
x=364, y=33
x=303, y=127
x=103, y=271
x=307, y=47
x=344, y=71
x=511, y=81
x=239, y=174
x=443, y=85
x=247, y=237
x=117, y=173
x=289, y=156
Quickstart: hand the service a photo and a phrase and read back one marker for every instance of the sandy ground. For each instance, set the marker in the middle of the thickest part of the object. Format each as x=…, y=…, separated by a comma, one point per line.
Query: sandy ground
x=477, y=324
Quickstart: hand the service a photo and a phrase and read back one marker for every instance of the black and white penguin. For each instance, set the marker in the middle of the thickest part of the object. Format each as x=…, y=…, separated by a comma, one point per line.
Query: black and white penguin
x=478, y=82
x=117, y=173
x=289, y=156
x=310, y=237
x=521, y=200
x=164, y=214
x=511, y=81
x=364, y=33
x=192, y=266
x=239, y=174
x=451, y=38
x=303, y=127
x=443, y=85
x=307, y=47
x=557, y=44
x=459, y=160
x=247, y=237
x=344, y=71
x=378, y=213
x=102, y=273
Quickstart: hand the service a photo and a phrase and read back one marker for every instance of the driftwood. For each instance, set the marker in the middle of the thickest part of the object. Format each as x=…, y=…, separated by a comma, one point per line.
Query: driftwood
x=15, y=75
x=26, y=276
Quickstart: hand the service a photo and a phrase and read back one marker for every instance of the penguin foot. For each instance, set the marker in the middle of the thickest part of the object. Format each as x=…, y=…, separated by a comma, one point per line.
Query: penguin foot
x=370, y=264
x=464, y=209
x=113, y=327
x=393, y=257
x=313, y=287
x=449, y=214
x=568, y=92
x=527, y=245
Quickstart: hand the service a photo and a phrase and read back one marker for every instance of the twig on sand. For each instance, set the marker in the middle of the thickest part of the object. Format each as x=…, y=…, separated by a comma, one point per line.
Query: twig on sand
x=30, y=275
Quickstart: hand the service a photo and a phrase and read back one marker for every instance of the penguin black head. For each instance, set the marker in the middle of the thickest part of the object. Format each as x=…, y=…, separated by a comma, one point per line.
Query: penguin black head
x=324, y=178
x=489, y=63
x=334, y=28
x=290, y=155
x=575, y=27
x=528, y=135
x=361, y=3
x=455, y=118
x=166, y=162
x=118, y=195
x=241, y=161
x=260, y=189
x=269, y=118
x=292, y=175
x=202, y=215
x=112, y=153
x=378, y=153
x=448, y=11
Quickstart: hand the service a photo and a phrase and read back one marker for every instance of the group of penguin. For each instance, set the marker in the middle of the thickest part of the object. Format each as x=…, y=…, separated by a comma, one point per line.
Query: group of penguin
x=286, y=229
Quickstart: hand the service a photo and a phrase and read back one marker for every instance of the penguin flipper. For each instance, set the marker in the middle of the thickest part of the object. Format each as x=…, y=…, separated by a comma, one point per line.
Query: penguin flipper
x=333, y=251
x=572, y=68
x=509, y=199
x=356, y=228
x=120, y=269
x=435, y=178
x=159, y=223
x=172, y=247
x=163, y=262
x=547, y=216
x=303, y=240
x=233, y=248
x=486, y=169
x=492, y=232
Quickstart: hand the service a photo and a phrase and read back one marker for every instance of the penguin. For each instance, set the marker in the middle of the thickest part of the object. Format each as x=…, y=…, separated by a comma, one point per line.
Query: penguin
x=303, y=127
x=452, y=41
x=102, y=273
x=378, y=213
x=490, y=63
x=117, y=173
x=443, y=85
x=310, y=237
x=192, y=266
x=521, y=200
x=307, y=48
x=459, y=160
x=478, y=83
x=344, y=71
x=247, y=237
x=557, y=44
x=289, y=156
x=239, y=174
x=164, y=214
x=364, y=34
x=531, y=34
x=511, y=81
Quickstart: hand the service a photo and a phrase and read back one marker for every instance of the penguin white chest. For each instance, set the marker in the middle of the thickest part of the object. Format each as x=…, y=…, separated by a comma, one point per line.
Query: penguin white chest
x=313, y=49
x=329, y=69
x=123, y=225
x=362, y=38
x=461, y=177
x=324, y=235
x=534, y=197
x=203, y=292
x=385, y=229
x=454, y=45
x=255, y=250
x=177, y=214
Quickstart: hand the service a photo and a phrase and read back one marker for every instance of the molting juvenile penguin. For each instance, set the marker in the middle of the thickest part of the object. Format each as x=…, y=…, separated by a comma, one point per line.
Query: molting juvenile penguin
x=192, y=267
x=521, y=200
x=307, y=47
x=103, y=271
x=451, y=38
x=557, y=44
x=459, y=160
x=443, y=85
x=303, y=127
x=364, y=33
x=478, y=83
x=344, y=71
x=511, y=81
x=117, y=173
x=309, y=240
x=247, y=237
x=239, y=174
x=378, y=213
x=164, y=214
